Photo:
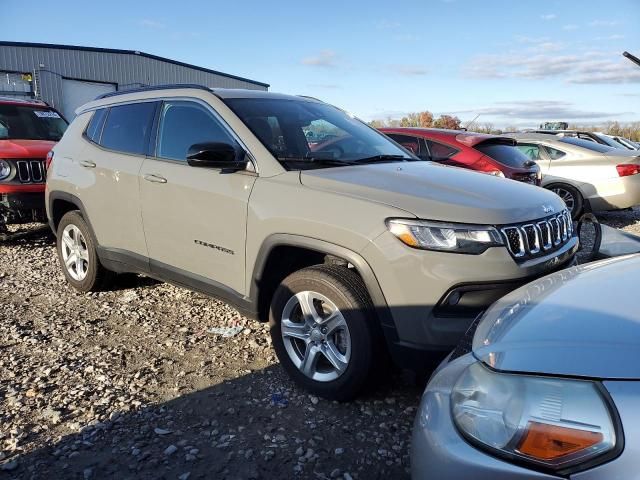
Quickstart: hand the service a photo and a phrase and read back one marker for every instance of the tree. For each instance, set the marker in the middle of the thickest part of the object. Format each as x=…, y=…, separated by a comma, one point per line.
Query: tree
x=425, y=119
x=376, y=123
x=447, y=121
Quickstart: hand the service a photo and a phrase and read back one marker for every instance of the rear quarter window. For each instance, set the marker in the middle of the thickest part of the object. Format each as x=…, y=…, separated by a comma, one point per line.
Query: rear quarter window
x=508, y=155
x=440, y=151
x=94, y=129
x=127, y=128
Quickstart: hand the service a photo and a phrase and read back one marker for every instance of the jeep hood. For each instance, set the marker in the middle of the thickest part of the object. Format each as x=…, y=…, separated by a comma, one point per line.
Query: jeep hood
x=435, y=192
x=25, y=148
x=582, y=322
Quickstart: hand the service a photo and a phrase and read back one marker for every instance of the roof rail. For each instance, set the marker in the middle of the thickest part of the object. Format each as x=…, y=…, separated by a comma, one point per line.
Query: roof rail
x=31, y=101
x=152, y=88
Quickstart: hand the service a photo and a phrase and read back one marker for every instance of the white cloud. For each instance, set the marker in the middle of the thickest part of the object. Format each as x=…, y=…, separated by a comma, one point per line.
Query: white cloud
x=603, y=23
x=326, y=59
x=387, y=24
x=539, y=110
x=408, y=70
x=150, y=23
x=570, y=26
x=584, y=68
x=549, y=16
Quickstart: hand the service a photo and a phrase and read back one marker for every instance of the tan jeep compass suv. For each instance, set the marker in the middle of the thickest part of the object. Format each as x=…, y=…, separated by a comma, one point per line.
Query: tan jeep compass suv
x=298, y=214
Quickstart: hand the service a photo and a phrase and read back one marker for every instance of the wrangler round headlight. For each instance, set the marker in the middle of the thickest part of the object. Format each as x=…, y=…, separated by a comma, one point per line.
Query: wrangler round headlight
x=445, y=237
x=5, y=169
x=549, y=422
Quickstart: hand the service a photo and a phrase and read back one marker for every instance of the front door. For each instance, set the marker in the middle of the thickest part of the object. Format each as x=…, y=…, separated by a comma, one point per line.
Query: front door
x=194, y=218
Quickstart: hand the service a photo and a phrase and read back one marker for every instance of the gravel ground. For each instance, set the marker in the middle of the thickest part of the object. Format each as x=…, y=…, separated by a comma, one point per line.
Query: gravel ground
x=133, y=383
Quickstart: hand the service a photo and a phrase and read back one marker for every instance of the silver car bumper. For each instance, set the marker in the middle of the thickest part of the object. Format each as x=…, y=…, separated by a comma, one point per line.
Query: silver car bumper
x=439, y=451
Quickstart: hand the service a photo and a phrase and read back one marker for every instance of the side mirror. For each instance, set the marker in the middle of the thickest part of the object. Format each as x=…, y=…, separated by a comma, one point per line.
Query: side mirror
x=217, y=155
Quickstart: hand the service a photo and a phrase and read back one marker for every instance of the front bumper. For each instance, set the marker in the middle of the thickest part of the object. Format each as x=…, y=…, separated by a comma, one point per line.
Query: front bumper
x=433, y=297
x=19, y=205
x=439, y=451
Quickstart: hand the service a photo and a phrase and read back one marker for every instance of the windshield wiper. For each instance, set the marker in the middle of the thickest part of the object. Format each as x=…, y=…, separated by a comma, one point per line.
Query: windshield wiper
x=317, y=161
x=384, y=159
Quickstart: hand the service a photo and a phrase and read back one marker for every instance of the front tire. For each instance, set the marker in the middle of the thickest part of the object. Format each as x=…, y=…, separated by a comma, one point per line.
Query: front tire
x=323, y=332
x=78, y=256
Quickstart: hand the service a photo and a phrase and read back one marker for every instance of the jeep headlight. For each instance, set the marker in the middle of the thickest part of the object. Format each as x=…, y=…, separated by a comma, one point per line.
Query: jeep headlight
x=548, y=422
x=445, y=237
x=5, y=169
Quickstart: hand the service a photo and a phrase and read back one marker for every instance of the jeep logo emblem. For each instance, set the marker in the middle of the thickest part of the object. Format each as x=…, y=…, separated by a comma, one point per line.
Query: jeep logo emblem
x=547, y=209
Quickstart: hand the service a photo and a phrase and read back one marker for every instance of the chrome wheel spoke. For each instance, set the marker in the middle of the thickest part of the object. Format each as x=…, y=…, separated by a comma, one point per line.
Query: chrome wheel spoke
x=308, y=307
x=68, y=241
x=333, y=322
x=84, y=255
x=70, y=260
x=337, y=359
x=295, y=330
x=308, y=365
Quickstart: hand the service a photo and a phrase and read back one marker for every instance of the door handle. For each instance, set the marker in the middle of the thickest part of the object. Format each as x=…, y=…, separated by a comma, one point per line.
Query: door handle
x=150, y=177
x=88, y=163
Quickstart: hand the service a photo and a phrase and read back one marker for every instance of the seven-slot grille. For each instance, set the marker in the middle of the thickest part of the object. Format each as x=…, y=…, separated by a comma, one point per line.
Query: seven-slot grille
x=31, y=171
x=538, y=238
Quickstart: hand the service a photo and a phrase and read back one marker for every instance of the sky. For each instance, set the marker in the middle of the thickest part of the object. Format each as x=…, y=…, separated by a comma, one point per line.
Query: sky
x=513, y=62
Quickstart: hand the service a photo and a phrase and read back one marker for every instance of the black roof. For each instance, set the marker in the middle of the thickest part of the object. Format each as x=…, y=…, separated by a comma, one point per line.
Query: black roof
x=128, y=52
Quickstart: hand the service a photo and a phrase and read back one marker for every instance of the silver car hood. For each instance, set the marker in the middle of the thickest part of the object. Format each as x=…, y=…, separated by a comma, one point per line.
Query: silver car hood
x=436, y=192
x=583, y=322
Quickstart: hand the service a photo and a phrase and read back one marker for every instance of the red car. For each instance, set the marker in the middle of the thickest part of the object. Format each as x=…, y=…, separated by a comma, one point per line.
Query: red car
x=489, y=154
x=28, y=131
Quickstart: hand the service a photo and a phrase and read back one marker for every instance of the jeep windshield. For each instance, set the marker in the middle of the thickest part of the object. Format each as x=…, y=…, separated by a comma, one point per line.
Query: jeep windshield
x=304, y=134
x=27, y=122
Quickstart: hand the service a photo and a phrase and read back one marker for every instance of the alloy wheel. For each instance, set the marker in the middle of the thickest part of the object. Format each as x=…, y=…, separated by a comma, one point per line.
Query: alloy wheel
x=75, y=253
x=566, y=196
x=316, y=336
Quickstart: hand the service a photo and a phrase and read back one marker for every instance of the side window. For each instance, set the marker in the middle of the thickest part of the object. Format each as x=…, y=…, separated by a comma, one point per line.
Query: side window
x=440, y=151
x=530, y=150
x=94, y=129
x=127, y=128
x=183, y=124
x=554, y=153
x=410, y=143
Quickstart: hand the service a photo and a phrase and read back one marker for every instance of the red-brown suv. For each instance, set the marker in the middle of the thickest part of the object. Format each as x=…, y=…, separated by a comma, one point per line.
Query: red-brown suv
x=28, y=131
x=489, y=154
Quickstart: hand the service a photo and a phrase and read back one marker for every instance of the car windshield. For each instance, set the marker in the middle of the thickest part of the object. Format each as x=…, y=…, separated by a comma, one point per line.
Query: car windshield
x=588, y=144
x=308, y=134
x=25, y=122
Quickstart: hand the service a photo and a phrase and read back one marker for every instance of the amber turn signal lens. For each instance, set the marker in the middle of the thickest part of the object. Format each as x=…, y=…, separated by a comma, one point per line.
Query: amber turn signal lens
x=548, y=442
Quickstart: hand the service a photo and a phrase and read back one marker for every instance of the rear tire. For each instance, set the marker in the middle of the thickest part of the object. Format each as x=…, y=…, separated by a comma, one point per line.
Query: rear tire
x=570, y=196
x=330, y=341
x=78, y=256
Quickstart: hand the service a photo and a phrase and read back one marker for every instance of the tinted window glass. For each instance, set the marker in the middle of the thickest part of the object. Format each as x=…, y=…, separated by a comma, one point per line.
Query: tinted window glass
x=530, y=150
x=127, y=128
x=94, y=129
x=26, y=122
x=554, y=153
x=596, y=147
x=505, y=154
x=184, y=124
x=301, y=133
x=440, y=151
x=410, y=143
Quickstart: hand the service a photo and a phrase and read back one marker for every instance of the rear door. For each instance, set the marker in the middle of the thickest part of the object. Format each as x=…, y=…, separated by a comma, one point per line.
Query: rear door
x=194, y=218
x=118, y=139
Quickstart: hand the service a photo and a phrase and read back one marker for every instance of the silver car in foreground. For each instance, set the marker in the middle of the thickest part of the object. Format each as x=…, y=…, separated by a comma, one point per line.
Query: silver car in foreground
x=586, y=175
x=547, y=387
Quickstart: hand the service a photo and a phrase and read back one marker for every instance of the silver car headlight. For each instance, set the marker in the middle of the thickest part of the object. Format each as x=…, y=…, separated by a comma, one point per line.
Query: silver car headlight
x=552, y=423
x=5, y=169
x=445, y=237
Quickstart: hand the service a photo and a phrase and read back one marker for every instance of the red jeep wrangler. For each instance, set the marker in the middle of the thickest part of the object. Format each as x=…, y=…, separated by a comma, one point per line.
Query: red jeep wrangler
x=28, y=131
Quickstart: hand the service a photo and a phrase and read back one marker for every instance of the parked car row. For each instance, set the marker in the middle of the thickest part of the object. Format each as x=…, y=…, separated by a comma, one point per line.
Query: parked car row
x=356, y=250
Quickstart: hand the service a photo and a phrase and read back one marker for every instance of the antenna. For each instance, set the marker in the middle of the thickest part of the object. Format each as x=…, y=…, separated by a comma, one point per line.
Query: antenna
x=466, y=127
x=633, y=58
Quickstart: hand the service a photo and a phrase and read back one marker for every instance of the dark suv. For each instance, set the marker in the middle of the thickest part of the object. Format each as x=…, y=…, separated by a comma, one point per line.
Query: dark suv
x=28, y=131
